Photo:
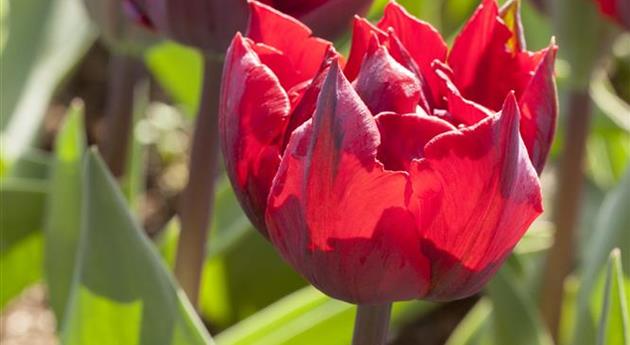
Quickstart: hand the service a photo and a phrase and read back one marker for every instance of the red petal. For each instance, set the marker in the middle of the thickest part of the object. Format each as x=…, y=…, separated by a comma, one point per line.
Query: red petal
x=253, y=111
x=477, y=194
x=460, y=109
x=403, y=137
x=290, y=37
x=361, y=35
x=385, y=85
x=317, y=214
x=539, y=107
x=479, y=58
x=423, y=42
x=306, y=106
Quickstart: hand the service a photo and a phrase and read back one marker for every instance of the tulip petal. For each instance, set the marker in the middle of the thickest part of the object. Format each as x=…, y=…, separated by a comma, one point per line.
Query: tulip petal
x=460, y=110
x=253, y=111
x=479, y=59
x=539, y=107
x=384, y=84
x=403, y=137
x=293, y=39
x=305, y=107
x=477, y=194
x=317, y=215
x=362, y=32
x=423, y=42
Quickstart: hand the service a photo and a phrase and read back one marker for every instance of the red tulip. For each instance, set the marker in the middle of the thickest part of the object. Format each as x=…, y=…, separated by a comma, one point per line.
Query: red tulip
x=210, y=24
x=618, y=10
x=412, y=173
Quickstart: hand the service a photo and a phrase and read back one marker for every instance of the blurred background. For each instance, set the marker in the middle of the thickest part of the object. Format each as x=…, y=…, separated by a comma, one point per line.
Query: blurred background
x=55, y=61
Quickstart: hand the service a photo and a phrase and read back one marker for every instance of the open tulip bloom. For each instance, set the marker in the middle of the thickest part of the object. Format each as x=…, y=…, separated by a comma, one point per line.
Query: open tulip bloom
x=407, y=172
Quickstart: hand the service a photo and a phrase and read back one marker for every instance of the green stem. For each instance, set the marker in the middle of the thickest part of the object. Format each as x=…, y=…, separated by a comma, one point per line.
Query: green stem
x=371, y=324
x=198, y=196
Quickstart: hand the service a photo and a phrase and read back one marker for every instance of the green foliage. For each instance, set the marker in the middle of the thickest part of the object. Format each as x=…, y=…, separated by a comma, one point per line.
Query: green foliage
x=63, y=206
x=614, y=319
x=178, y=69
x=44, y=39
x=306, y=317
x=21, y=211
x=122, y=293
x=611, y=230
x=232, y=288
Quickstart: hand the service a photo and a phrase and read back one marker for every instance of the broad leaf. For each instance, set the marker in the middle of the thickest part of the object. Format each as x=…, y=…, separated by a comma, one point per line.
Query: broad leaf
x=63, y=218
x=475, y=328
x=122, y=292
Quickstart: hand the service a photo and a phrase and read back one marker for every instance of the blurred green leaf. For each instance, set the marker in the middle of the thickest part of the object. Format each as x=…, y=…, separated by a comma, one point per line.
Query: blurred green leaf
x=178, y=69
x=611, y=230
x=515, y=317
x=45, y=40
x=475, y=328
x=122, y=292
x=62, y=224
x=22, y=203
x=614, y=323
x=231, y=287
x=32, y=164
x=306, y=317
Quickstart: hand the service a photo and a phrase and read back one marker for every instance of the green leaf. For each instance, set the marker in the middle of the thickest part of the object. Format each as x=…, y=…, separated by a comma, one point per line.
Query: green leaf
x=62, y=225
x=45, y=39
x=178, y=69
x=475, y=328
x=231, y=287
x=122, y=292
x=614, y=323
x=515, y=318
x=306, y=317
x=22, y=203
x=611, y=230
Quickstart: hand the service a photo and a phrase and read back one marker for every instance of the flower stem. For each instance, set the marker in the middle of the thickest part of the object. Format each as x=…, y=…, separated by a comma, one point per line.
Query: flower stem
x=371, y=324
x=125, y=71
x=561, y=256
x=198, y=196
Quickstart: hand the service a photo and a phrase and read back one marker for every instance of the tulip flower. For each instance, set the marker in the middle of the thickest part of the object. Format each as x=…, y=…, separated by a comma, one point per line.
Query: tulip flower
x=410, y=174
x=617, y=10
x=209, y=25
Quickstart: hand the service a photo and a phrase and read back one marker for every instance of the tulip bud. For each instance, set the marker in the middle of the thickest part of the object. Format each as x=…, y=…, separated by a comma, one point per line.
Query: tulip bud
x=617, y=10
x=410, y=172
x=118, y=31
x=210, y=24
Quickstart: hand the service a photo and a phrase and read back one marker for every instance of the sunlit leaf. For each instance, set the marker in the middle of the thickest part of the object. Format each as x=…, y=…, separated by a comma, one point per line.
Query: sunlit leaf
x=122, y=292
x=178, y=69
x=306, y=317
